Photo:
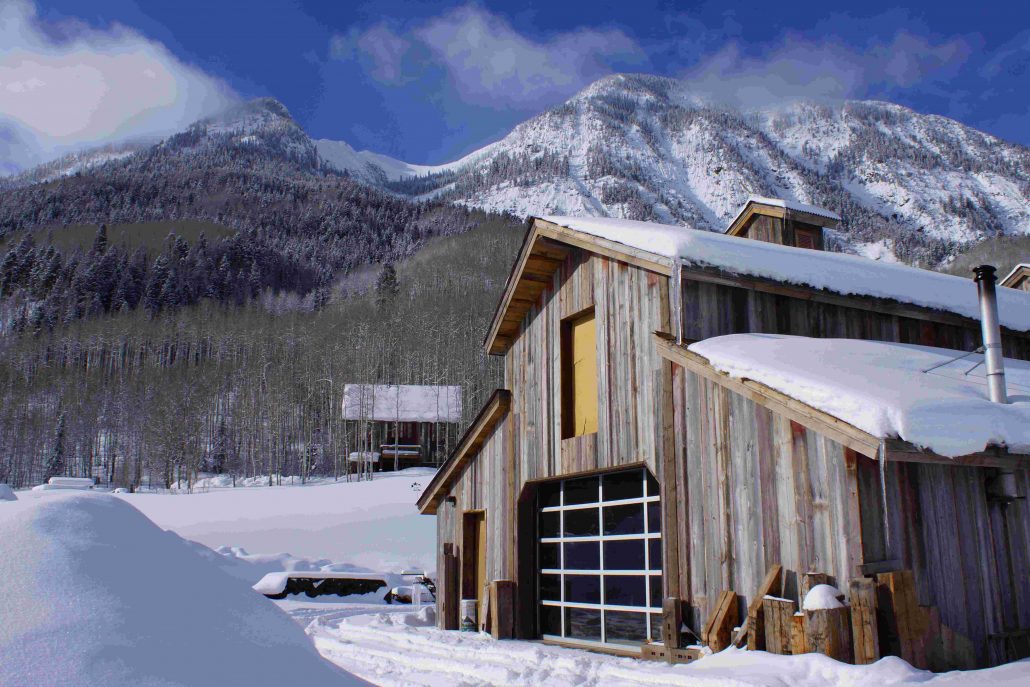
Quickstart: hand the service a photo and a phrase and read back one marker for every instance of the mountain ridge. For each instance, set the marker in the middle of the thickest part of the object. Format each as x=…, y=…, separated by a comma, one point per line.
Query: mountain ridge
x=911, y=187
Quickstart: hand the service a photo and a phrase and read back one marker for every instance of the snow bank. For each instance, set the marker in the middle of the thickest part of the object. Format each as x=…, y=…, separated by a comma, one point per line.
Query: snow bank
x=369, y=645
x=821, y=597
x=6, y=493
x=836, y=272
x=881, y=388
x=95, y=594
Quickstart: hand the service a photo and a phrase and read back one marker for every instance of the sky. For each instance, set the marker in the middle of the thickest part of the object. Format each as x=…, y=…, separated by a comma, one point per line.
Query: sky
x=429, y=81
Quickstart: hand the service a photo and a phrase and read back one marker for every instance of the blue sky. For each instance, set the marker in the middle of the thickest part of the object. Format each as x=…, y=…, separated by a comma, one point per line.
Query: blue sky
x=429, y=81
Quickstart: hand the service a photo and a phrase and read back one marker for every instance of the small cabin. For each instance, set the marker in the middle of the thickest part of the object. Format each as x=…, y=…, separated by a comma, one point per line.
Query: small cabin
x=1018, y=278
x=629, y=478
x=401, y=425
x=785, y=222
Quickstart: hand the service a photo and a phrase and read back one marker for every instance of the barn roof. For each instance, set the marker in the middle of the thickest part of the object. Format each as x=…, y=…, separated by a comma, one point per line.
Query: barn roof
x=490, y=415
x=836, y=272
x=401, y=403
x=933, y=398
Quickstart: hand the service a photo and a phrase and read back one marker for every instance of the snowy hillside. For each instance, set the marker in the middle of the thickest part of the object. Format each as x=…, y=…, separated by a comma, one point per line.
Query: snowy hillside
x=909, y=186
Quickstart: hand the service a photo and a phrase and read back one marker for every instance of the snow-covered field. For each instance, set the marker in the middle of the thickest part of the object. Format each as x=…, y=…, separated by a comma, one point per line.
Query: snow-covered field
x=91, y=593
x=373, y=525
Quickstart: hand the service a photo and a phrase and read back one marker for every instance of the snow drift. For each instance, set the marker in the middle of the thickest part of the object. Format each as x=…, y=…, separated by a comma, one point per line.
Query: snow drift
x=95, y=594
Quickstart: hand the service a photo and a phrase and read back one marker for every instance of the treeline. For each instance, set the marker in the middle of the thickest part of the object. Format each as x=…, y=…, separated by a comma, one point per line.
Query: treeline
x=142, y=397
x=42, y=288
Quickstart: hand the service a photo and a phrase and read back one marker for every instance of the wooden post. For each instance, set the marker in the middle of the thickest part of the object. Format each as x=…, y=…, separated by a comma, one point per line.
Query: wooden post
x=779, y=620
x=449, y=589
x=900, y=608
x=753, y=628
x=811, y=579
x=502, y=609
x=863, y=621
x=672, y=621
x=798, y=637
x=718, y=631
x=828, y=631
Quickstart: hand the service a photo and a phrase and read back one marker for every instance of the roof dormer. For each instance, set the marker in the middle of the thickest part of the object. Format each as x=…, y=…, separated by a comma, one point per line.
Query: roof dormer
x=785, y=222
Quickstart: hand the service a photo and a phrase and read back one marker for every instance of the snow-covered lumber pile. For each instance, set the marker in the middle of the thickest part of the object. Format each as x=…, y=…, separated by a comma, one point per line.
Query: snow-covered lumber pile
x=95, y=594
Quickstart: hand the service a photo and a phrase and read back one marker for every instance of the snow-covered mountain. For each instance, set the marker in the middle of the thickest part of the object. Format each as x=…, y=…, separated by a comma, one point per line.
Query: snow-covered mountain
x=914, y=187
x=908, y=185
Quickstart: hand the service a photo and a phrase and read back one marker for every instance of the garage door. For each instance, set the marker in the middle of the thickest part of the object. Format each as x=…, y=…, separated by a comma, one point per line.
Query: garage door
x=600, y=559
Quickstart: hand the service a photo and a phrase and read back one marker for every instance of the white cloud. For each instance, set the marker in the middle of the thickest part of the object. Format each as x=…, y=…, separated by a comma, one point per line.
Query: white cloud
x=825, y=70
x=487, y=60
x=378, y=46
x=68, y=85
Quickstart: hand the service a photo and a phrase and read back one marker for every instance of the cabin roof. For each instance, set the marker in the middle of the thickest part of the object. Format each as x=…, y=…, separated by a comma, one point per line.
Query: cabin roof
x=401, y=403
x=933, y=398
x=810, y=214
x=835, y=272
x=492, y=412
x=1020, y=270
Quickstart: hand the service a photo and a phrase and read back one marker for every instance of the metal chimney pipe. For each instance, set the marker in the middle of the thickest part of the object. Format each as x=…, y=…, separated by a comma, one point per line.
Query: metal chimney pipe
x=985, y=279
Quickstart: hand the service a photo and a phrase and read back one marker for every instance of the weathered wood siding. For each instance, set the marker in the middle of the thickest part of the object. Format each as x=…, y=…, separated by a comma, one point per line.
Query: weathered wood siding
x=755, y=489
x=970, y=555
x=711, y=309
x=486, y=484
x=630, y=304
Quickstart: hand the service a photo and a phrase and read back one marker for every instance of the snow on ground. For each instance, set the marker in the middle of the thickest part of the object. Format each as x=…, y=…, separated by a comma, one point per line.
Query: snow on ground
x=323, y=525
x=882, y=388
x=93, y=593
x=402, y=649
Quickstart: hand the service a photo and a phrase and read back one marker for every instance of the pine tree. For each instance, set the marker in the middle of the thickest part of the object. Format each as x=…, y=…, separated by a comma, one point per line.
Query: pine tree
x=100, y=240
x=387, y=287
x=55, y=459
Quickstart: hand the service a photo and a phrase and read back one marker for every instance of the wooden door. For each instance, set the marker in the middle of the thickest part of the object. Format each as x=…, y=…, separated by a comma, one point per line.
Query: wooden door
x=473, y=561
x=481, y=580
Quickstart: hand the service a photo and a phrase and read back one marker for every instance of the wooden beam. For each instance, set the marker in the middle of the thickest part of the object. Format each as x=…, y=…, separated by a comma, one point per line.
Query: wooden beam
x=502, y=605
x=495, y=408
x=612, y=249
x=828, y=631
x=719, y=628
x=779, y=622
x=834, y=428
x=753, y=628
x=864, y=630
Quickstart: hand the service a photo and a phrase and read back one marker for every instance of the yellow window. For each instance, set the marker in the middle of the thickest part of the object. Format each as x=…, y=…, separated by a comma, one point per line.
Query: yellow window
x=579, y=393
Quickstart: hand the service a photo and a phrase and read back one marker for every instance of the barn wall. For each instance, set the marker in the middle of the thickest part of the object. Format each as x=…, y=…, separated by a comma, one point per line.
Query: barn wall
x=485, y=484
x=970, y=555
x=711, y=309
x=756, y=489
x=630, y=304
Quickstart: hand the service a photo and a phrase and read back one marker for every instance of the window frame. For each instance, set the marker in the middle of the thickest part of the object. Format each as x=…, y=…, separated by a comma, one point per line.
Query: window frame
x=567, y=389
x=650, y=493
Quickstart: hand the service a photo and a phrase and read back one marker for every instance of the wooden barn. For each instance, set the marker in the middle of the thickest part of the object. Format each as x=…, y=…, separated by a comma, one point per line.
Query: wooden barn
x=629, y=482
x=401, y=425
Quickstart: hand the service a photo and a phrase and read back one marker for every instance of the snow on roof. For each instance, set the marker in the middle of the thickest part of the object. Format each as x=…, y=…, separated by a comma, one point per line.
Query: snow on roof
x=881, y=388
x=788, y=205
x=837, y=272
x=401, y=403
x=1017, y=268
x=94, y=593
